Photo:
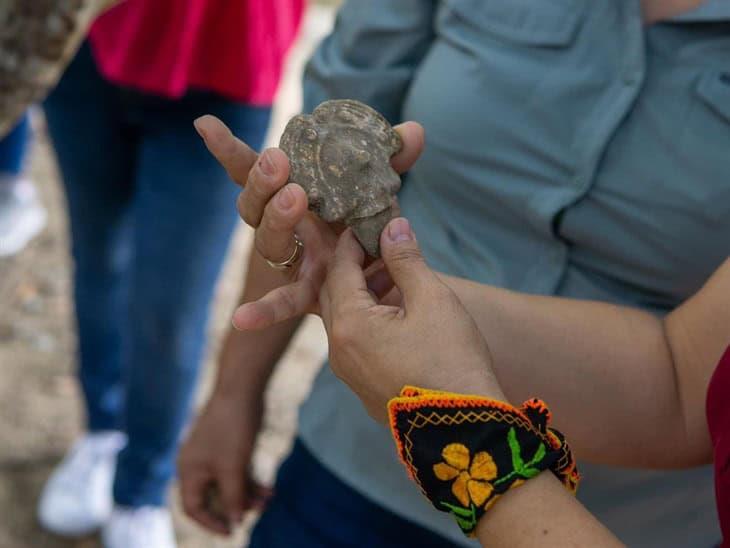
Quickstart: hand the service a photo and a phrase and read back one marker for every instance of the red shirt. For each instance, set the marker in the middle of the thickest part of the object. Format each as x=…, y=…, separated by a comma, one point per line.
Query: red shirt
x=233, y=47
x=718, y=420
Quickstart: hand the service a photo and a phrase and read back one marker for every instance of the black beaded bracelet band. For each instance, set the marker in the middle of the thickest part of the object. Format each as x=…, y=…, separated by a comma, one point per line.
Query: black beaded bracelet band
x=464, y=451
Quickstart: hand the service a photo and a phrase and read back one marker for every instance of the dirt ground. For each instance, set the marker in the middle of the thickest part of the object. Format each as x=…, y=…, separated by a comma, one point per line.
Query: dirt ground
x=40, y=410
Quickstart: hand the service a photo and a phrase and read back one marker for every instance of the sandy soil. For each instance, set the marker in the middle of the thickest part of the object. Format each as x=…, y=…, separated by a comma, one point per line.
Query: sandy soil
x=40, y=410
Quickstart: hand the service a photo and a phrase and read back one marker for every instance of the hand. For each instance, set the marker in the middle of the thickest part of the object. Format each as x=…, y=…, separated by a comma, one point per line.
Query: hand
x=428, y=339
x=215, y=459
x=277, y=211
x=655, y=11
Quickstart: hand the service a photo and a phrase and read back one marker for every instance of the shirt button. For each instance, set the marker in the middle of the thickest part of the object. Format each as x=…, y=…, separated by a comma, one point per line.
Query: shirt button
x=725, y=78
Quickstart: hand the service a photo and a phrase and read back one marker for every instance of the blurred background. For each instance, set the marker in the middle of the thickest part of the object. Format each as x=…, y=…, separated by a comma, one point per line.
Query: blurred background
x=39, y=399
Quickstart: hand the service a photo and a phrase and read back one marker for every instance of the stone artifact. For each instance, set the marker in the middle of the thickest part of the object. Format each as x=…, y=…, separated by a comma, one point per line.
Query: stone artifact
x=340, y=155
x=37, y=40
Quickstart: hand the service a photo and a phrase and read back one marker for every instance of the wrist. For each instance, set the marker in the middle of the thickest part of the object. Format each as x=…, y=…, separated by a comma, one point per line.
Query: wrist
x=466, y=451
x=238, y=402
x=244, y=366
x=476, y=379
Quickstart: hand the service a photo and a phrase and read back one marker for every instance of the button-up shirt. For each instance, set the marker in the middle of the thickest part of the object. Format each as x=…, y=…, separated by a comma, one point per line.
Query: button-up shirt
x=569, y=151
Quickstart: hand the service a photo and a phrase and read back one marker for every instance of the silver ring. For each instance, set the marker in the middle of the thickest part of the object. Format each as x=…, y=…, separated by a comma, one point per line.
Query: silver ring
x=292, y=260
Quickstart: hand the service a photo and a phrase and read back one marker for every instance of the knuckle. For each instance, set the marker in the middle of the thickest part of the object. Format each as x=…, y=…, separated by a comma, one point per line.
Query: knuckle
x=287, y=302
x=246, y=210
x=227, y=467
x=407, y=256
x=274, y=221
x=266, y=247
x=342, y=333
x=260, y=188
x=187, y=503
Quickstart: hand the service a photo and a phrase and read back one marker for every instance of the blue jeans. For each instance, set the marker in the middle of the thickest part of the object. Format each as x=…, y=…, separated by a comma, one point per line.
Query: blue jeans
x=151, y=216
x=312, y=508
x=13, y=148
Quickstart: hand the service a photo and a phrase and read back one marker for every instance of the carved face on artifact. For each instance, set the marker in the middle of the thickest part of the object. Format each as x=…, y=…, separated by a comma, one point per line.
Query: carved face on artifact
x=341, y=155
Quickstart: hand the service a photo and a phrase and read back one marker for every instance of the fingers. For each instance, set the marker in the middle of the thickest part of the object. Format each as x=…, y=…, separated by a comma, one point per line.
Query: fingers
x=378, y=279
x=232, y=494
x=405, y=263
x=259, y=496
x=266, y=178
x=275, y=234
x=281, y=304
x=236, y=156
x=194, y=487
x=345, y=289
x=413, y=138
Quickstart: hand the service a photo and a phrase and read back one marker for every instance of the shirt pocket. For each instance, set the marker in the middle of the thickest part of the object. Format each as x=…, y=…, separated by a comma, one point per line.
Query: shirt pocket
x=708, y=135
x=713, y=89
x=526, y=23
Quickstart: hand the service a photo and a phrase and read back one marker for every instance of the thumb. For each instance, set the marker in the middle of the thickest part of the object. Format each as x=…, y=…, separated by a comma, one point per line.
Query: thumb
x=404, y=261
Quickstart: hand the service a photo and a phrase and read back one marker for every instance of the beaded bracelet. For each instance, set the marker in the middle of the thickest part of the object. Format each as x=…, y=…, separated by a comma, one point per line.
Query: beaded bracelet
x=465, y=451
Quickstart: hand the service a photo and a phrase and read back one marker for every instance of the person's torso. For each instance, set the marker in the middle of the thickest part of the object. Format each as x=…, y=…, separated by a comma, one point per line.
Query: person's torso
x=569, y=152
x=167, y=47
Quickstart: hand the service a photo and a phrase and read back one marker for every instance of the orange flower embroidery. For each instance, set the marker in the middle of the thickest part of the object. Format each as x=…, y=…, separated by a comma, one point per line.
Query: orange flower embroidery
x=471, y=476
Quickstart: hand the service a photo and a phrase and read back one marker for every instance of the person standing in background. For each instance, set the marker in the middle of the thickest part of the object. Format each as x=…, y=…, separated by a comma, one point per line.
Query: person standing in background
x=22, y=216
x=151, y=216
x=575, y=148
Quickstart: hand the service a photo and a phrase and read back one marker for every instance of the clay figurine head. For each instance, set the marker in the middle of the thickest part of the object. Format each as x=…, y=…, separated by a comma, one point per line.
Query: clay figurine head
x=340, y=155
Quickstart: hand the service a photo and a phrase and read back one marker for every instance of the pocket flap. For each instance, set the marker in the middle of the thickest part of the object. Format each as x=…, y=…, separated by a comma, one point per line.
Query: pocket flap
x=714, y=90
x=549, y=23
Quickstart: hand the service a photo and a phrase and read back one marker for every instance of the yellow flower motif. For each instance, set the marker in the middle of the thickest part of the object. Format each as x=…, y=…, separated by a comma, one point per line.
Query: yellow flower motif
x=471, y=476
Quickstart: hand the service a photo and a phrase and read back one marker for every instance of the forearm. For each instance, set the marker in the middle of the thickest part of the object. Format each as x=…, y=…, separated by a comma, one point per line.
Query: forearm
x=606, y=371
x=247, y=358
x=539, y=513
x=542, y=513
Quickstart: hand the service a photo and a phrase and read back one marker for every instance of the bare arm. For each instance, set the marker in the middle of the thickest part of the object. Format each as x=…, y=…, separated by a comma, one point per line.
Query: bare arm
x=542, y=513
x=248, y=357
x=217, y=453
x=377, y=348
x=626, y=387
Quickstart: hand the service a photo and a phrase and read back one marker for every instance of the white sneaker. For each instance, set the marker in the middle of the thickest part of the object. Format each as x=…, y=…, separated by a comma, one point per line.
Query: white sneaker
x=22, y=216
x=144, y=527
x=77, y=499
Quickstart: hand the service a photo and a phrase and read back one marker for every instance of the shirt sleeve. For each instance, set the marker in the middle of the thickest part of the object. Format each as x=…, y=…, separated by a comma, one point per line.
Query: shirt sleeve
x=372, y=54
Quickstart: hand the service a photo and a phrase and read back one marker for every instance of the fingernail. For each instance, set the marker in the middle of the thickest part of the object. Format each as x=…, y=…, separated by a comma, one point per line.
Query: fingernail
x=196, y=125
x=399, y=230
x=286, y=198
x=267, y=166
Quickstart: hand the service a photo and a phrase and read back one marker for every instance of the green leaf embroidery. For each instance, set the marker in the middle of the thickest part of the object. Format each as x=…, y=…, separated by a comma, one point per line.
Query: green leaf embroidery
x=459, y=513
x=515, y=449
x=520, y=468
x=539, y=455
x=458, y=510
x=528, y=473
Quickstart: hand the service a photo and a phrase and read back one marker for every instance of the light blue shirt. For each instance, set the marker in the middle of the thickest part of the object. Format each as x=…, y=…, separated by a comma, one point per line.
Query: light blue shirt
x=570, y=151
x=710, y=10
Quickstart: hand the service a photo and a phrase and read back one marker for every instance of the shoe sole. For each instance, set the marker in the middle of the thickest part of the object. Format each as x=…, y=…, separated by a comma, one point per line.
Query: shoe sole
x=69, y=535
